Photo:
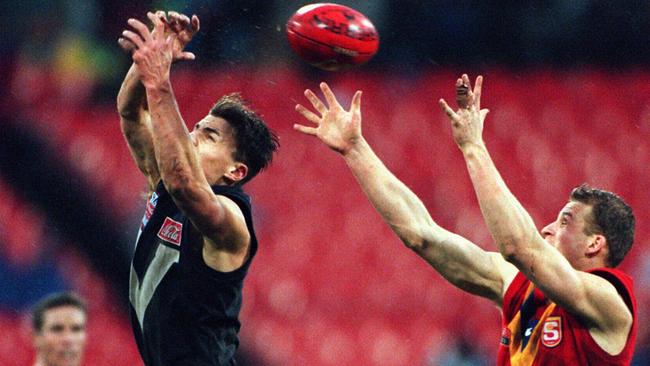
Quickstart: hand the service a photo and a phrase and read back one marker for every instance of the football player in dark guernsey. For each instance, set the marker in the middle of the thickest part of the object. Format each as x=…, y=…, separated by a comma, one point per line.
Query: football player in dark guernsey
x=196, y=241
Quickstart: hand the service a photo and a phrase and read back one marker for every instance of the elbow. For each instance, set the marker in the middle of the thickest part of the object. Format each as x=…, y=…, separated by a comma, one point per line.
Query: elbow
x=177, y=188
x=178, y=183
x=415, y=238
x=509, y=252
x=515, y=248
x=415, y=244
x=510, y=247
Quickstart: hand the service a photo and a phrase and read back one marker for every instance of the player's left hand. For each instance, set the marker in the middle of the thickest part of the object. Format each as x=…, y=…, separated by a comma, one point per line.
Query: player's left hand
x=467, y=121
x=185, y=29
x=339, y=129
x=175, y=23
x=153, y=53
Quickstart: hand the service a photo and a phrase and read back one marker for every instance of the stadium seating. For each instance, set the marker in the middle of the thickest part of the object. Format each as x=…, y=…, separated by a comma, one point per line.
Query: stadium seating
x=332, y=285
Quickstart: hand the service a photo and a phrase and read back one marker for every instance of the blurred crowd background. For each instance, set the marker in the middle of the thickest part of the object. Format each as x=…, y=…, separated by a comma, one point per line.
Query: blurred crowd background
x=567, y=83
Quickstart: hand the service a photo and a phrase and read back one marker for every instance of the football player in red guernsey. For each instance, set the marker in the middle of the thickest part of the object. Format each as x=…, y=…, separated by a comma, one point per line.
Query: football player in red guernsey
x=563, y=301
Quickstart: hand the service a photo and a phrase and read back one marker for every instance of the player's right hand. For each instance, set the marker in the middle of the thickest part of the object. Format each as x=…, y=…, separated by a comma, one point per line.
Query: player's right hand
x=467, y=122
x=339, y=129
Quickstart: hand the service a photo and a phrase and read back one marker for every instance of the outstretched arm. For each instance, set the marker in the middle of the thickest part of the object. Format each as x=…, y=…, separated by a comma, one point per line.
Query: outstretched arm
x=218, y=218
x=136, y=126
x=132, y=102
x=589, y=297
x=458, y=260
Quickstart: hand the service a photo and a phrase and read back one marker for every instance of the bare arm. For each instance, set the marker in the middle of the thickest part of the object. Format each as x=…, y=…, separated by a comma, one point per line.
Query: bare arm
x=136, y=125
x=218, y=218
x=135, y=120
x=591, y=298
x=461, y=262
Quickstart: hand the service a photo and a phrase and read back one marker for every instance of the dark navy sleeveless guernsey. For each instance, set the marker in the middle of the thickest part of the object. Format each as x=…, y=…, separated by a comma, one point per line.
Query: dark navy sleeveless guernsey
x=182, y=311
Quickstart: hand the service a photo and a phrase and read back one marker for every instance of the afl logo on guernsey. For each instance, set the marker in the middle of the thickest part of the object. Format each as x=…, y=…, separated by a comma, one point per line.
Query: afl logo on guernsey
x=148, y=211
x=171, y=231
x=505, y=336
x=552, y=331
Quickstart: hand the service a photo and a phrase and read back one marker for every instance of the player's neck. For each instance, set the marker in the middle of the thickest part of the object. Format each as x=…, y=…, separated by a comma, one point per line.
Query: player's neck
x=586, y=264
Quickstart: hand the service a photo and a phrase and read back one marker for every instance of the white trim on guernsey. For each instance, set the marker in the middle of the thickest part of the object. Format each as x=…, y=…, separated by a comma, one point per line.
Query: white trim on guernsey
x=140, y=294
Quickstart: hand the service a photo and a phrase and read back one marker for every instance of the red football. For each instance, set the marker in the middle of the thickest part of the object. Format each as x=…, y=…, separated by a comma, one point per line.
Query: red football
x=331, y=36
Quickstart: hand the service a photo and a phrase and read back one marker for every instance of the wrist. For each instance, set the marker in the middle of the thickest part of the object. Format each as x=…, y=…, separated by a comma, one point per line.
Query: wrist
x=357, y=148
x=473, y=149
x=157, y=87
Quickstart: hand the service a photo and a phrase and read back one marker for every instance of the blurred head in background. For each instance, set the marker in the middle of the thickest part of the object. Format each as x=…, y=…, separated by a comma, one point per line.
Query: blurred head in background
x=59, y=330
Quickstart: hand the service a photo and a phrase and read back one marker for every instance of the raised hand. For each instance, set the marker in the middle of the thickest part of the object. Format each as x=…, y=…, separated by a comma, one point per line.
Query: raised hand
x=175, y=23
x=153, y=51
x=184, y=28
x=467, y=121
x=339, y=129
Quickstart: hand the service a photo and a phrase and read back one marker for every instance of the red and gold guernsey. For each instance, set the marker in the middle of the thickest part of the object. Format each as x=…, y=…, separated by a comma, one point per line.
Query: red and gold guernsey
x=538, y=332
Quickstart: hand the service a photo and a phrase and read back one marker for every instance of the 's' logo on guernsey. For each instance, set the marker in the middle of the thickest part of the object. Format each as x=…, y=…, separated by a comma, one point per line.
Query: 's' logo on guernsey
x=552, y=331
x=171, y=231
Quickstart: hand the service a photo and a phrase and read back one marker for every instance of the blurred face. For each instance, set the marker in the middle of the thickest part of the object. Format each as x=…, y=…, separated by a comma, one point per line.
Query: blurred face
x=62, y=339
x=215, y=144
x=567, y=232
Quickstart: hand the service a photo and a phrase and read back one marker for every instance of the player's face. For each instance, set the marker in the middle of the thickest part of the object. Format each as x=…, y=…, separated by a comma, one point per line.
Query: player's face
x=567, y=232
x=215, y=143
x=62, y=339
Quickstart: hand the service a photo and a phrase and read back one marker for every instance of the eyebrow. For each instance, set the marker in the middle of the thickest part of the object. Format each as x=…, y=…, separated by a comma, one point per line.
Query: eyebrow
x=566, y=214
x=213, y=130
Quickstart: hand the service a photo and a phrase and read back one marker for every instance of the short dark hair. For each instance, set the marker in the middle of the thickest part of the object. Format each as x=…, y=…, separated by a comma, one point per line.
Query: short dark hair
x=611, y=217
x=255, y=142
x=53, y=301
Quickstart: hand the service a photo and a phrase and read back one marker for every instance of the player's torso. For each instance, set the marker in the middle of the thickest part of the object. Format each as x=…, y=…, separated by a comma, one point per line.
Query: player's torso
x=549, y=335
x=182, y=311
x=555, y=338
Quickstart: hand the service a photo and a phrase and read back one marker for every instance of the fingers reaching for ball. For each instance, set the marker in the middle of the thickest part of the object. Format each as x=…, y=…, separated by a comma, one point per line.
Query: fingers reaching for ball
x=466, y=98
x=179, y=27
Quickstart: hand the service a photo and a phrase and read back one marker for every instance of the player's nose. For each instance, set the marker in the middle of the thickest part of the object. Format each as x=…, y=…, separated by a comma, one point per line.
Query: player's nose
x=548, y=230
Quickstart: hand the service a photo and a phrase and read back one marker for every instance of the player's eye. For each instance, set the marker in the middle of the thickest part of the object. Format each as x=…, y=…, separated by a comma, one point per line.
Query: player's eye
x=56, y=329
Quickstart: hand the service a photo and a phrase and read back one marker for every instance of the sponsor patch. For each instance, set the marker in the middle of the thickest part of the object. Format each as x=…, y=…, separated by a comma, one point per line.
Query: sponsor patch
x=552, y=331
x=171, y=231
x=505, y=336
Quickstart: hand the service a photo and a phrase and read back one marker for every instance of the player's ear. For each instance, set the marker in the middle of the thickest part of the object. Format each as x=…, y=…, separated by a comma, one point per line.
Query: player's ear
x=597, y=244
x=237, y=172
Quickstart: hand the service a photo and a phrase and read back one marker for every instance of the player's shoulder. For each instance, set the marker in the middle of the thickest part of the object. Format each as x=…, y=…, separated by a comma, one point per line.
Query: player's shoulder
x=620, y=281
x=234, y=193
